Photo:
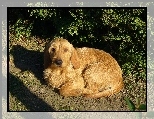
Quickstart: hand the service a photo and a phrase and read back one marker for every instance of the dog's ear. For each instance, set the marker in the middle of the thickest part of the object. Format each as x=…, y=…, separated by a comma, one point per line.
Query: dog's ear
x=75, y=59
x=47, y=60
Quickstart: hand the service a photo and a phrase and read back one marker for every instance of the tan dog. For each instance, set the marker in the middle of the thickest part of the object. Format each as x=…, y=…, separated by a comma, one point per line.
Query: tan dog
x=83, y=71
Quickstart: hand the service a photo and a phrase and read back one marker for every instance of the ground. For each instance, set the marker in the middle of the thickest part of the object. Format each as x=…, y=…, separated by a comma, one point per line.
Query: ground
x=29, y=92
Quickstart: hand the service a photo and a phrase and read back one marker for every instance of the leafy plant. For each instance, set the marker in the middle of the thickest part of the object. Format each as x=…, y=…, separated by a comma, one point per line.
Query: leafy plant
x=21, y=29
x=134, y=107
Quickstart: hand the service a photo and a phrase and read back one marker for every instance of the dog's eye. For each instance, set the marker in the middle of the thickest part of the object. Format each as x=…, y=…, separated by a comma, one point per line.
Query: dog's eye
x=53, y=49
x=65, y=50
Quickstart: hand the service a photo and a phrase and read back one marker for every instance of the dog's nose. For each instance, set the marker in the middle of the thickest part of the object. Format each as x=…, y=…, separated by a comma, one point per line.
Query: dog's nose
x=59, y=62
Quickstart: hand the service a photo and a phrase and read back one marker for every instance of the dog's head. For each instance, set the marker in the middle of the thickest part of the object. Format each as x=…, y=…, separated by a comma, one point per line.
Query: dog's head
x=61, y=53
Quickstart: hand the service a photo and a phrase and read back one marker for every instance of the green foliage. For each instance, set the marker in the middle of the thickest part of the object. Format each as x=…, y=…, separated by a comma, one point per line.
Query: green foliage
x=21, y=29
x=134, y=107
x=42, y=13
x=130, y=104
x=95, y=27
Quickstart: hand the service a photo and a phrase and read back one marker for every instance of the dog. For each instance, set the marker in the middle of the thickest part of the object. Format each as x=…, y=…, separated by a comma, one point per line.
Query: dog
x=83, y=71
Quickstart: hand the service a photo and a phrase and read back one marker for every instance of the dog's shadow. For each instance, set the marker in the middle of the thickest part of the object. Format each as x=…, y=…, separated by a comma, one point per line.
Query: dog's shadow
x=28, y=60
x=22, y=93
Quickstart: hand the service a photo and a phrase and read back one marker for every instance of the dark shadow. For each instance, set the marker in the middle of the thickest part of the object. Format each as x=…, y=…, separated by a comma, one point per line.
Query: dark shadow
x=28, y=60
x=22, y=93
x=43, y=28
